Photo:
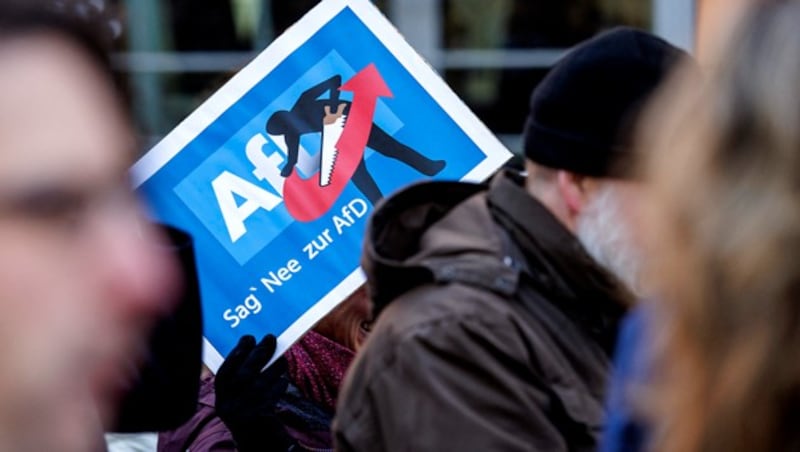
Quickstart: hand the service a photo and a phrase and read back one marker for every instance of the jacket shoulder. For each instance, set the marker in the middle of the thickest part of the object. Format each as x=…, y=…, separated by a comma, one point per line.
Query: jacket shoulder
x=440, y=349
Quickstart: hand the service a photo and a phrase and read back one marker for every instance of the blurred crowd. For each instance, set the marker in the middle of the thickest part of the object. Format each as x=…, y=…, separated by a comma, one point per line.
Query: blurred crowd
x=631, y=285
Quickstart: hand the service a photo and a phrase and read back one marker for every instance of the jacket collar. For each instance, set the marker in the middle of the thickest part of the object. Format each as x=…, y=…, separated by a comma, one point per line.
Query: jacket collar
x=393, y=256
x=439, y=230
x=554, y=260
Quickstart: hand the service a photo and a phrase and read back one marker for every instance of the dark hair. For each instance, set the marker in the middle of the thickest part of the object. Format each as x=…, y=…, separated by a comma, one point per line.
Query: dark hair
x=21, y=18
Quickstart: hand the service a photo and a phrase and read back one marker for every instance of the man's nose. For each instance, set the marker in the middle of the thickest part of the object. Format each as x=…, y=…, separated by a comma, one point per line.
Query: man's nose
x=136, y=264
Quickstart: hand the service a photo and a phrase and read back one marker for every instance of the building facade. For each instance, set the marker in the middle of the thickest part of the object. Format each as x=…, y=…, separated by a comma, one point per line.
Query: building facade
x=491, y=52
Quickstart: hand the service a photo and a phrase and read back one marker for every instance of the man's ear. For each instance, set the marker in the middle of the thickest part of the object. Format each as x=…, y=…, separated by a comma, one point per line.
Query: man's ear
x=573, y=190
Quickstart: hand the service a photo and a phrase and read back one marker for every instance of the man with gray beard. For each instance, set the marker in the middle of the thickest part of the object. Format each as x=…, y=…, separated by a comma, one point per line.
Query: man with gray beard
x=605, y=229
x=497, y=305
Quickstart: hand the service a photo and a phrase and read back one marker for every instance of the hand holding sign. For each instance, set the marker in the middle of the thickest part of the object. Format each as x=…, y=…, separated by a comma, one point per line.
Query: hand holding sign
x=332, y=116
x=246, y=396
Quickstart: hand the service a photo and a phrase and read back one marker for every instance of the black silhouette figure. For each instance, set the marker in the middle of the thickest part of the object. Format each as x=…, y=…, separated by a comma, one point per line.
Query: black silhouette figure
x=309, y=115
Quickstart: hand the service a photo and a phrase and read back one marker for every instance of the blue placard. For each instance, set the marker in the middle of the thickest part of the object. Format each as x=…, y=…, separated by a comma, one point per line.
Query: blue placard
x=276, y=174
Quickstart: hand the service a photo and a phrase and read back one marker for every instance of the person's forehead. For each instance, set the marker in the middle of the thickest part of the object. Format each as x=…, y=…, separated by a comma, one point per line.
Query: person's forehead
x=57, y=112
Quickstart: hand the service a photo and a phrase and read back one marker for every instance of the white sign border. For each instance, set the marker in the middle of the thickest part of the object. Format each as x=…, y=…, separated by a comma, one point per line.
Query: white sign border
x=283, y=46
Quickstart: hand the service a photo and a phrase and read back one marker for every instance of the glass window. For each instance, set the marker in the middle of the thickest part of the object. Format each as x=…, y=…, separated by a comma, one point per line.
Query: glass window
x=492, y=53
x=520, y=40
x=176, y=53
x=524, y=24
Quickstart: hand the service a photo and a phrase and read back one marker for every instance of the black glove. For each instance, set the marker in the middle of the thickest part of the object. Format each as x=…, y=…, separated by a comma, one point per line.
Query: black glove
x=246, y=397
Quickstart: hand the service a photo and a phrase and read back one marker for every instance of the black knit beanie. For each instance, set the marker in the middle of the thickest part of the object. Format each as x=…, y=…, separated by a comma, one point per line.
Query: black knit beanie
x=582, y=113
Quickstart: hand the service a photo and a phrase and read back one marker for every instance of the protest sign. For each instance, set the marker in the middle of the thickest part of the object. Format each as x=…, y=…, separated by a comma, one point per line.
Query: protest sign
x=276, y=174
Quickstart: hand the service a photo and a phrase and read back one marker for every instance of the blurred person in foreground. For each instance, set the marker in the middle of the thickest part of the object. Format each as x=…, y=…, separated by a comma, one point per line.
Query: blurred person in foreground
x=497, y=306
x=80, y=282
x=723, y=222
x=288, y=406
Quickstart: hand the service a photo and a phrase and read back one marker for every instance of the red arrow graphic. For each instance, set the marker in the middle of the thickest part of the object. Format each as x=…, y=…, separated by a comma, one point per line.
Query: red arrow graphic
x=305, y=199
